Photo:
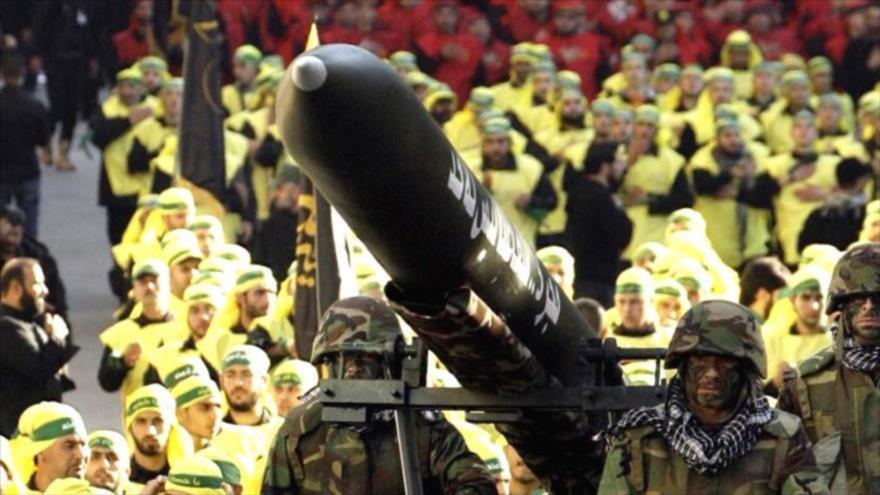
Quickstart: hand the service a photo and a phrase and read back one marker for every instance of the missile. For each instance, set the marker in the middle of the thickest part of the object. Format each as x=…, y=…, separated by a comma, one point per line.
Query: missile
x=379, y=158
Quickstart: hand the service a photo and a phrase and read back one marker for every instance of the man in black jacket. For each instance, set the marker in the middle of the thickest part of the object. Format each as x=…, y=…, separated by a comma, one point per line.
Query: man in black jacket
x=24, y=125
x=598, y=228
x=33, y=347
x=15, y=243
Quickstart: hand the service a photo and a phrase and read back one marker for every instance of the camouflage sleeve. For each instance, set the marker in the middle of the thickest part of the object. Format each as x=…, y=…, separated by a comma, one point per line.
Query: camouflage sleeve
x=788, y=397
x=799, y=472
x=277, y=479
x=460, y=471
x=614, y=480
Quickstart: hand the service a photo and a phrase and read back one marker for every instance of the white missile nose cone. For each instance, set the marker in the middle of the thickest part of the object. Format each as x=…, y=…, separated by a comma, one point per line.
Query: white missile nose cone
x=309, y=73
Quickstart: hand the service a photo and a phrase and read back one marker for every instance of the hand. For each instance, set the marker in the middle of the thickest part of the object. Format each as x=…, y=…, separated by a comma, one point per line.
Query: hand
x=745, y=168
x=56, y=327
x=634, y=196
x=155, y=486
x=637, y=147
x=138, y=114
x=522, y=201
x=779, y=379
x=803, y=172
x=728, y=191
x=452, y=51
x=132, y=354
x=810, y=192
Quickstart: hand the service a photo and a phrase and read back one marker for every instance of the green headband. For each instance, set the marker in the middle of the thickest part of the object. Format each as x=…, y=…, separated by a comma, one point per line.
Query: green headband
x=178, y=375
x=191, y=395
x=195, y=481
x=103, y=442
x=667, y=291
x=629, y=289
x=281, y=378
x=805, y=286
x=56, y=428
x=142, y=403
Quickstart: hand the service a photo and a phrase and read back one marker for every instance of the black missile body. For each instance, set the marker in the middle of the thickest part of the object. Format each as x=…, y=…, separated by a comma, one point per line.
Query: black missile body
x=379, y=158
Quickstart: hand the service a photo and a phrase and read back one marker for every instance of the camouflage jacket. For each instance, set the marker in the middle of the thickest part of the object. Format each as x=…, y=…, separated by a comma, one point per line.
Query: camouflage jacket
x=309, y=456
x=780, y=462
x=840, y=409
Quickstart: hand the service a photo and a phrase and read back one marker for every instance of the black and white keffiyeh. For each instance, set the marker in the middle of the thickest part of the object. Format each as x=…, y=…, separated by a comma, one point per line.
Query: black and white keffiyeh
x=707, y=452
x=860, y=358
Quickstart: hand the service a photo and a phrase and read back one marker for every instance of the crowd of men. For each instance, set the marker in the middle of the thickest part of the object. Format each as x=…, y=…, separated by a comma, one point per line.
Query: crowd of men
x=715, y=196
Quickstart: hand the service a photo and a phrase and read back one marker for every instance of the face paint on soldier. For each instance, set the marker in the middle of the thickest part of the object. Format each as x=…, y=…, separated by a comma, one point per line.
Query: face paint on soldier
x=360, y=366
x=863, y=315
x=150, y=433
x=65, y=458
x=105, y=469
x=713, y=384
x=199, y=317
x=242, y=388
x=808, y=307
x=201, y=419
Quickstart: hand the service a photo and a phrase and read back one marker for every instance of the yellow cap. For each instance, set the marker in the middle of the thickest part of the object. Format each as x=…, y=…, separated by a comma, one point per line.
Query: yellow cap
x=251, y=357
x=207, y=222
x=39, y=426
x=690, y=219
x=481, y=98
x=109, y=439
x=131, y=74
x=195, y=475
x=738, y=38
x=647, y=114
x=496, y=126
x=229, y=469
x=182, y=367
x=807, y=278
x=176, y=199
x=195, y=388
x=248, y=53
x=253, y=276
x=153, y=397
x=178, y=235
x=296, y=372
x=176, y=253
x=635, y=281
x=149, y=266
x=152, y=62
x=204, y=293
x=238, y=255
x=692, y=276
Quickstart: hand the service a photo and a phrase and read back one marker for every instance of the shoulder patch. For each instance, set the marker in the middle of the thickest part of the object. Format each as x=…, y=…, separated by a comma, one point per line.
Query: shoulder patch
x=783, y=424
x=816, y=362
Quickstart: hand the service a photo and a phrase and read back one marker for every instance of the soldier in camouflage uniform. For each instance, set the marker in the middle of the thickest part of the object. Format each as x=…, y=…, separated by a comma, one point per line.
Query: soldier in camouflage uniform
x=835, y=391
x=715, y=433
x=310, y=456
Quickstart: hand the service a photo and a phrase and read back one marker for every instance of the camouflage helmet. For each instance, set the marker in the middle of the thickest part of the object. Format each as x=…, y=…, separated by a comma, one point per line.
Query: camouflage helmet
x=856, y=273
x=355, y=320
x=718, y=327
